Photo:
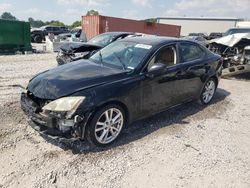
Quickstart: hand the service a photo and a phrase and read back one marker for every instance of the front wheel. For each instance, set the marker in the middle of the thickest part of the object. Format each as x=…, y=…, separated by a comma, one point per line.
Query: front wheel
x=106, y=125
x=208, y=91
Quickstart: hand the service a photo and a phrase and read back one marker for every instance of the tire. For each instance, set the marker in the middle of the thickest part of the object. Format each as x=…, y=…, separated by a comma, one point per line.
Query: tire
x=208, y=91
x=100, y=130
x=38, y=39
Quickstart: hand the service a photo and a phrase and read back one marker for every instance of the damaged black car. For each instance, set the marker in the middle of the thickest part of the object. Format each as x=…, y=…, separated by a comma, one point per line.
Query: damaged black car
x=73, y=51
x=128, y=80
x=234, y=50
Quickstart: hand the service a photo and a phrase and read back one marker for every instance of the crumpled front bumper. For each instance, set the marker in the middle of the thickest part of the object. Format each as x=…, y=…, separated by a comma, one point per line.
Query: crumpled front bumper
x=62, y=59
x=46, y=124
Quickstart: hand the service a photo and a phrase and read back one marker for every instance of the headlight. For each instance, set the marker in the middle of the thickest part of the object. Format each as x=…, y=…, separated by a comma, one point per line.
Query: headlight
x=65, y=104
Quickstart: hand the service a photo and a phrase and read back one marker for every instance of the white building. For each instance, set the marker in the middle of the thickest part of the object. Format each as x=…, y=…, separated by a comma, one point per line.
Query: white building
x=243, y=24
x=200, y=24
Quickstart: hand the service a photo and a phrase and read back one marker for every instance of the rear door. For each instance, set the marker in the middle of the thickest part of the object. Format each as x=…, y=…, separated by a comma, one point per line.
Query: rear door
x=193, y=67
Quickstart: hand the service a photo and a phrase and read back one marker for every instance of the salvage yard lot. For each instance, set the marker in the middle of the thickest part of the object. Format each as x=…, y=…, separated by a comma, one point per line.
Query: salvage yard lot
x=190, y=145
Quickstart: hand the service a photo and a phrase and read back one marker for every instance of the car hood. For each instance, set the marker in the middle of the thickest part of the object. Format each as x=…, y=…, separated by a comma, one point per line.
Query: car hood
x=74, y=47
x=232, y=40
x=70, y=78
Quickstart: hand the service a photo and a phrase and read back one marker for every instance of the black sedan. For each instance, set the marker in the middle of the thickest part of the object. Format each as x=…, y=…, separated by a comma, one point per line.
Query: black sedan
x=128, y=80
x=73, y=51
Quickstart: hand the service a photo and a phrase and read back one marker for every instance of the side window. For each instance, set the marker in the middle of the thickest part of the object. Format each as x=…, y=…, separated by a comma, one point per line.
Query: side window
x=49, y=29
x=166, y=55
x=190, y=52
x=56, y=28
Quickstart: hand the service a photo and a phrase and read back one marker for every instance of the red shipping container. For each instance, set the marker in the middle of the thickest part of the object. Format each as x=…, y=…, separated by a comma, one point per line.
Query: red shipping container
x=95, y=25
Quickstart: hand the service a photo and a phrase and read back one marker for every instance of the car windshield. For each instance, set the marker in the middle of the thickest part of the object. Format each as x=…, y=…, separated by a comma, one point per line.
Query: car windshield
x=102, y=40
x=122, y=55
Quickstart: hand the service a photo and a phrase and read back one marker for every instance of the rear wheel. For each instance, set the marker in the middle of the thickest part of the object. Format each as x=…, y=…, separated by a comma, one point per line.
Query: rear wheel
x=208, y=91
x=106, y=125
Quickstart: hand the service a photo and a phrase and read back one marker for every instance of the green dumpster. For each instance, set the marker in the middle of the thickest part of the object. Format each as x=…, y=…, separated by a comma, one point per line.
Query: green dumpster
x=14, y=36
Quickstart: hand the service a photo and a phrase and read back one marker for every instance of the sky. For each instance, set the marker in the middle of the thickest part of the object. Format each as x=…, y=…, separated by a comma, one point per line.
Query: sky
x=69, y=11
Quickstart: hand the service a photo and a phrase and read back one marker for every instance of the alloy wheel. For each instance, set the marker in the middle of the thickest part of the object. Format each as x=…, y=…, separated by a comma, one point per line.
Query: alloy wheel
x=109, y=125
x=209, y=91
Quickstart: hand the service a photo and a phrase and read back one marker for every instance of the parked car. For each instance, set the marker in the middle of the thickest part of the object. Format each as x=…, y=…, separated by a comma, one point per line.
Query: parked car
x=73, y=51
x=233, y=49
x=237, y=30
x=128, y=80
x=56, y=30
x=37, y=35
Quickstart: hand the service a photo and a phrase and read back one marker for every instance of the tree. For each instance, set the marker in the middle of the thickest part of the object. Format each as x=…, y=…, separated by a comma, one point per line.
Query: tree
x=76, y=24
x=36, y=23
x=40, y=23
x=55, y=23
x=151, y=21
x=8, y=16
x=92, y=13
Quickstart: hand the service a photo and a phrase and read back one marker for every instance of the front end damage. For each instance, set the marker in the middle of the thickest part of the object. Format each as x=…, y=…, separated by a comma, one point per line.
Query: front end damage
x=56, y=124
x=74, y=51
x=234, y=50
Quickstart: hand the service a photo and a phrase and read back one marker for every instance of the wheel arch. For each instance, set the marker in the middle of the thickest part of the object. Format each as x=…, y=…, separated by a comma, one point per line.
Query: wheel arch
x=216, y=79
x=112, y=102
x=204, y=80
x=116, y=102
x=94, y=110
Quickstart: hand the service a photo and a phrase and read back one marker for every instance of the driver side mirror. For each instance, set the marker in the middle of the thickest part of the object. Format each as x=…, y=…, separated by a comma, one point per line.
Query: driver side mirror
x=156, y=70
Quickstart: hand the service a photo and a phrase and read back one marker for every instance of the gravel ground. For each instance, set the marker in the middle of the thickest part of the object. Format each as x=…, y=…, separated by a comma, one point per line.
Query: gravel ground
x=189, y=146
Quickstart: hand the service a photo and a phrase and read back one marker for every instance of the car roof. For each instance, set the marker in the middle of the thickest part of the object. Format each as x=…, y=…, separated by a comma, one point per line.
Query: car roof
x=154, y=40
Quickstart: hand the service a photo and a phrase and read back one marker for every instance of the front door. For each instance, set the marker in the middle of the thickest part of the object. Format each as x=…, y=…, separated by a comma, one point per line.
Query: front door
x=180, y=81
x=158, y=92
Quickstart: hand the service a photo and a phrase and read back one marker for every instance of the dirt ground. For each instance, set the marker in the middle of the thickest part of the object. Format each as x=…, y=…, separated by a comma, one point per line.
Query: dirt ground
x=189, y=146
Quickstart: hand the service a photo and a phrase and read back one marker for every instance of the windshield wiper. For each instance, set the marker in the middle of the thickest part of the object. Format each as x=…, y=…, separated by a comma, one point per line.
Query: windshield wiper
x=120, y=61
